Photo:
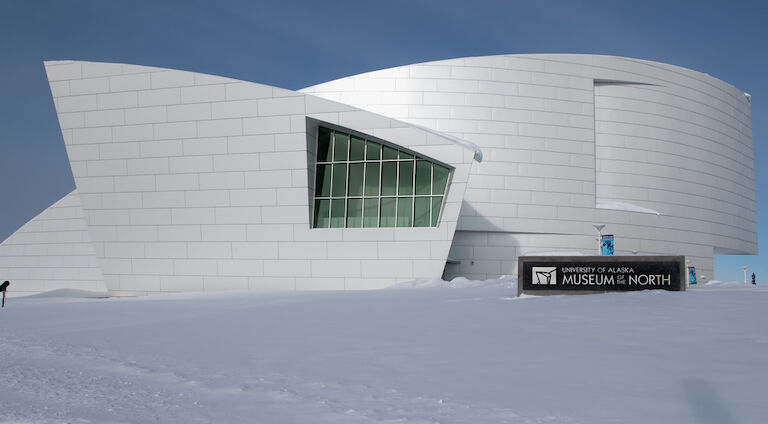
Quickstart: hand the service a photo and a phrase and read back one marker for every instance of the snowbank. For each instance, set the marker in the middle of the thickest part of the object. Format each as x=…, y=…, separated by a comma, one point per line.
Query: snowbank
x=505, y=282
x=67, y=294
x=717, y=284
x=389, y=356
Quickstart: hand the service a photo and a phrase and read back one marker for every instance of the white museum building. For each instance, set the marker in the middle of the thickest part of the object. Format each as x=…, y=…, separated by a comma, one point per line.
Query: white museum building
x=192, y=182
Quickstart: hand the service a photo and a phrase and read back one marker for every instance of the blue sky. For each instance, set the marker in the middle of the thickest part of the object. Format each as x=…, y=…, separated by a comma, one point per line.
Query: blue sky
x=294, y=44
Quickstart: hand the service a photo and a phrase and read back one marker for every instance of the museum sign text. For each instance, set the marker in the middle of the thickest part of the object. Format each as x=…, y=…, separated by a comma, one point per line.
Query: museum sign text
x=579, y=274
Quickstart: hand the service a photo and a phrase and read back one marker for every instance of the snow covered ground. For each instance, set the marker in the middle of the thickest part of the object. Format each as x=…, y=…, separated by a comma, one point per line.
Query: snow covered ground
x=421, y=355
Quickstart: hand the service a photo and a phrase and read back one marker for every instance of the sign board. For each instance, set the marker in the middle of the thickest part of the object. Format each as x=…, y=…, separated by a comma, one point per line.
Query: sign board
x=544, y=275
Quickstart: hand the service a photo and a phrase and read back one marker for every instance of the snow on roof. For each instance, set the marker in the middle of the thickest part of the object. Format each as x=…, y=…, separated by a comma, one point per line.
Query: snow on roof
x=460, y=141
x=554, y=253
x=623, y=206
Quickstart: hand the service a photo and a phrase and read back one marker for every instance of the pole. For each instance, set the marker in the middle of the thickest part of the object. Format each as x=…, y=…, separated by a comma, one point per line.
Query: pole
x=599, y=228
x=745, y=274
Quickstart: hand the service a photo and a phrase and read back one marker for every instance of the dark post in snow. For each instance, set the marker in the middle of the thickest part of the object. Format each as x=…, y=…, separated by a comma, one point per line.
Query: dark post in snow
x=753, y=279
x=3, y=287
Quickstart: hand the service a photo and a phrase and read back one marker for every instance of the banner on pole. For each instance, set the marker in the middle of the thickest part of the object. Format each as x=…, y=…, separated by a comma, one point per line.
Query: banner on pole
x=606, y=245
x=692, y=275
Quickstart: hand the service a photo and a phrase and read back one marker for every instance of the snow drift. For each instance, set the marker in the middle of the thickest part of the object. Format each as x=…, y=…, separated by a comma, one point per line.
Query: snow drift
x=470, y=355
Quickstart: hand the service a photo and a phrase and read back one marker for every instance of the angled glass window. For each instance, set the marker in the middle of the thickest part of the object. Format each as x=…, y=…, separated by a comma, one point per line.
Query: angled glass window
x=323, y=184
x=373, y=150
x=339, y=188
x=405, y=178
x=340, y=146
x=436, y=204
x=423, y=177
x=322, y=213
x=405, y=211
x=324, y=150
x=356, y=179
x=389, y=153
x=367, y=183
x=355, y=213
x=371, y=213
x=388, y=212
x=389, y=178
x=440, y=179
x=356, y=149
x=372, y=174
x=337, y=213
x=421, y=216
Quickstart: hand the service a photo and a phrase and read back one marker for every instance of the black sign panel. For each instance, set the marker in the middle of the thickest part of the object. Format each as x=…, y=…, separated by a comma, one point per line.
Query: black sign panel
x=578, y=274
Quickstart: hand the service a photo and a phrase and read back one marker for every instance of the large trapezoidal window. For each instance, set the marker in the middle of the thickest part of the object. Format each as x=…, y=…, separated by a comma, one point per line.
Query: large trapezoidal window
x=362, y=183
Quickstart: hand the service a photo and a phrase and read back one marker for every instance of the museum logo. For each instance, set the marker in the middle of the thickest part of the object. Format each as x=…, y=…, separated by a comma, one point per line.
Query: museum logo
x=544, y=275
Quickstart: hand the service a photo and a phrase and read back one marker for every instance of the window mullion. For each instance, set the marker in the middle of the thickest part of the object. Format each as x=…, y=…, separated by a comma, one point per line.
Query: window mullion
x=365, y=169
x=346, y=189
x=380, y=195
x=330, y=192
x=413, y=191
x=397, y=188
x=431, y=191
x=431, y=177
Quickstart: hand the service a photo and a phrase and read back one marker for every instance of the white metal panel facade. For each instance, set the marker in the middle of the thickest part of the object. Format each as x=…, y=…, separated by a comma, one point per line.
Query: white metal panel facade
x=52, y=251
x=195, y=182
x=188, y=181
x=573, y=140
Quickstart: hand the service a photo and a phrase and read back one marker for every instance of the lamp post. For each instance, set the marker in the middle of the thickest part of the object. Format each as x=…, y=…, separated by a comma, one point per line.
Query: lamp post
x=599, y=228
x=745, y=273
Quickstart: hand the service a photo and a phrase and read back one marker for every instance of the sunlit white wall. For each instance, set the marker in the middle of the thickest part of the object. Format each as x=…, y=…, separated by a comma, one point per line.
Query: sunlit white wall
x=196, y=182
x=660, y=154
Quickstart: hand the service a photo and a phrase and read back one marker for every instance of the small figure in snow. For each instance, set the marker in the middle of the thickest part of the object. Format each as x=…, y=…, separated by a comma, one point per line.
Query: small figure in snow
x=3, y=287
x=753, y=279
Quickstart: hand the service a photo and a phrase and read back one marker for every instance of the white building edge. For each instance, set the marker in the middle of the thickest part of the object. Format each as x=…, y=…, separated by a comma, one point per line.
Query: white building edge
x=188, y=181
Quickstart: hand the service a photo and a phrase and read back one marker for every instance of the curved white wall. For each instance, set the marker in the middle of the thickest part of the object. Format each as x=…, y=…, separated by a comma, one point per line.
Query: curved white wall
x=196, y=182
x=52, y=251
x=564, y=134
